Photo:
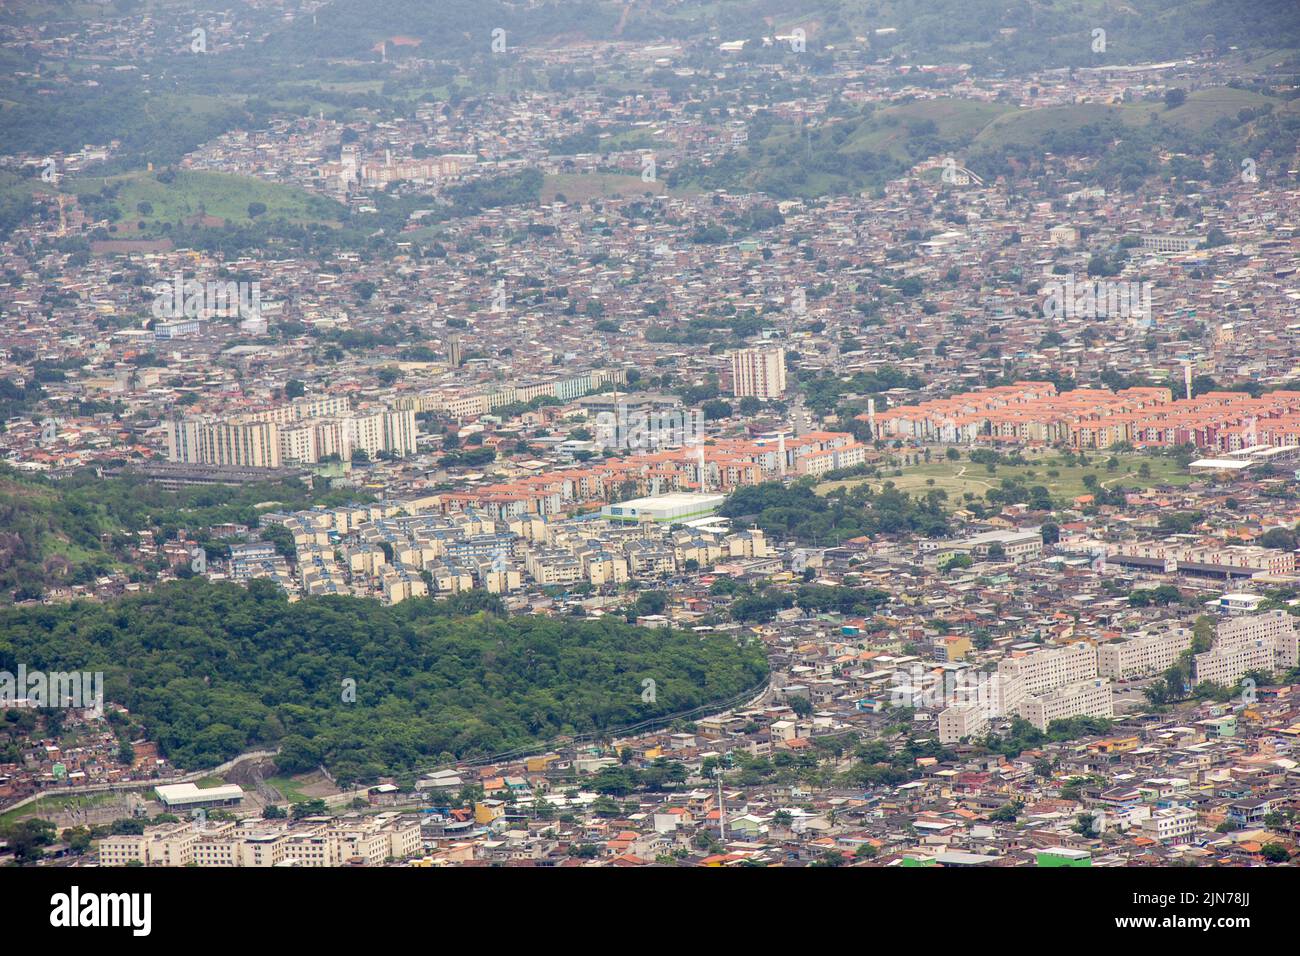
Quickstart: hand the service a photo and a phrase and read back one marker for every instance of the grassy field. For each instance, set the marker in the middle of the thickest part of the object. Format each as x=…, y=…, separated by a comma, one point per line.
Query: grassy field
x=1202, y=109
x=955, y=119
x=216, y=194
x=289, y=788
x=584, y=187
x=959, y=478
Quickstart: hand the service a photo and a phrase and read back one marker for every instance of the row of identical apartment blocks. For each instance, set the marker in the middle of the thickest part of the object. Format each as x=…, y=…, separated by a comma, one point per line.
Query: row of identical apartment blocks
x=462, y=403
x=315, y=842
x=304, y=431
x=1265, y=642
x=380, y=547
x=1076, y=680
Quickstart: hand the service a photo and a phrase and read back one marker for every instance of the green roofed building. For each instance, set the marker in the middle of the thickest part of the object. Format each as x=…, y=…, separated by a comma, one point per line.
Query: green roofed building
x=1064, y=856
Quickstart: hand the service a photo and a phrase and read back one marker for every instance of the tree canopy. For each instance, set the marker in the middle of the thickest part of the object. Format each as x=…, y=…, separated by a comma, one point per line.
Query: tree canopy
x=212, y=669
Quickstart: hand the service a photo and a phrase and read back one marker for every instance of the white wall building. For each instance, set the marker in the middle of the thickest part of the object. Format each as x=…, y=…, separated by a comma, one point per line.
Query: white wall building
x=1052, y=667
x=1091, y=698
x=1149, y=652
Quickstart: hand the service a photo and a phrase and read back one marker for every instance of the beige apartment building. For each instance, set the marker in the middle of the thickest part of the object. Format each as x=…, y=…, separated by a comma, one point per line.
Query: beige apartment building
x=1227, y=665
x=256, y=441
x=1091, y=698
x=369, y=841
x=1256, y=642
x=758, y=372
x=1149, y=652
x=962, y=720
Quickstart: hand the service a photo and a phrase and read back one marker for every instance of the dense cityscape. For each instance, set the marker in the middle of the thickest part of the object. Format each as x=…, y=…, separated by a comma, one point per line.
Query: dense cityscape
x=649, y=435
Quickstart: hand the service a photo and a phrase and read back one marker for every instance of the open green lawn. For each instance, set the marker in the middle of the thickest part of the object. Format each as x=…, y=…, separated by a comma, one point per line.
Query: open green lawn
x=217, y=194
x=289, y=788
x=960, y=477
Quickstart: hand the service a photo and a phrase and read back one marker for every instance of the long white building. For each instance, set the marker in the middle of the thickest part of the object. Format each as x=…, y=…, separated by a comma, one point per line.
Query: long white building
x=1052, y=667
x=1148, y=652
x=1090, y=698
x=1257, y=642
x=297, y=433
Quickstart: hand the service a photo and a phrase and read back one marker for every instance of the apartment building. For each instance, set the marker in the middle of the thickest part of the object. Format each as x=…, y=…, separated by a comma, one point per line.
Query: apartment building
x=1149, y=652
x=1091, y=698
x=1170, y=824
x=1276, y=626
x=260, y=843
x=211, y=441
x=1049, y=668
x=963, y=720
x=266, y=439
x=1227, y=665
x=1193, y=558
x=758, y=372
x=1017, y=546
x=1264, y=642
x=1169, y=243
x=168, y=844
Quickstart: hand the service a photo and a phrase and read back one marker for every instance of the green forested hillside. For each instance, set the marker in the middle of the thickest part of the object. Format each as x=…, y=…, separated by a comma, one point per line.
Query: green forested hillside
x=209, y=670
x=854, y=150
x=73, y=530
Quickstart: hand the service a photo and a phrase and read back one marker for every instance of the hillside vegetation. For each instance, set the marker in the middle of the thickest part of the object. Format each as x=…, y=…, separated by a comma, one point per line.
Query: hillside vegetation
x=76, y=529
x=209, y=670
x=854, y=150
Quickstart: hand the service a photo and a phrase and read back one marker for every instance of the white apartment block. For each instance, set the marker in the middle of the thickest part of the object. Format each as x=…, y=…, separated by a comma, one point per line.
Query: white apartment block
x=1090, y=698
x=262, y=440
x=1227, y=665
x=962, y=720
x=759, y=372
x=1241, y=556
x=1277, y=627
x=1006, y=692
x=213, y=442
x=170, y=844
x=1168, y=243
x=1264, y=642
x=1149, y=652
x=366, y=842
x=1170, y=824
x=1052, y=667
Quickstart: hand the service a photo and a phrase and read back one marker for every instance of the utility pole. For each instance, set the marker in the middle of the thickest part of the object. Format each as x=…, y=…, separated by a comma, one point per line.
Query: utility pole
x=722, y=810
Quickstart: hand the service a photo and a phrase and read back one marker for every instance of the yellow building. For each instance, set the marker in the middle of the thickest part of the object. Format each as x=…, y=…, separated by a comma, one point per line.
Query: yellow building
x=957, y=646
